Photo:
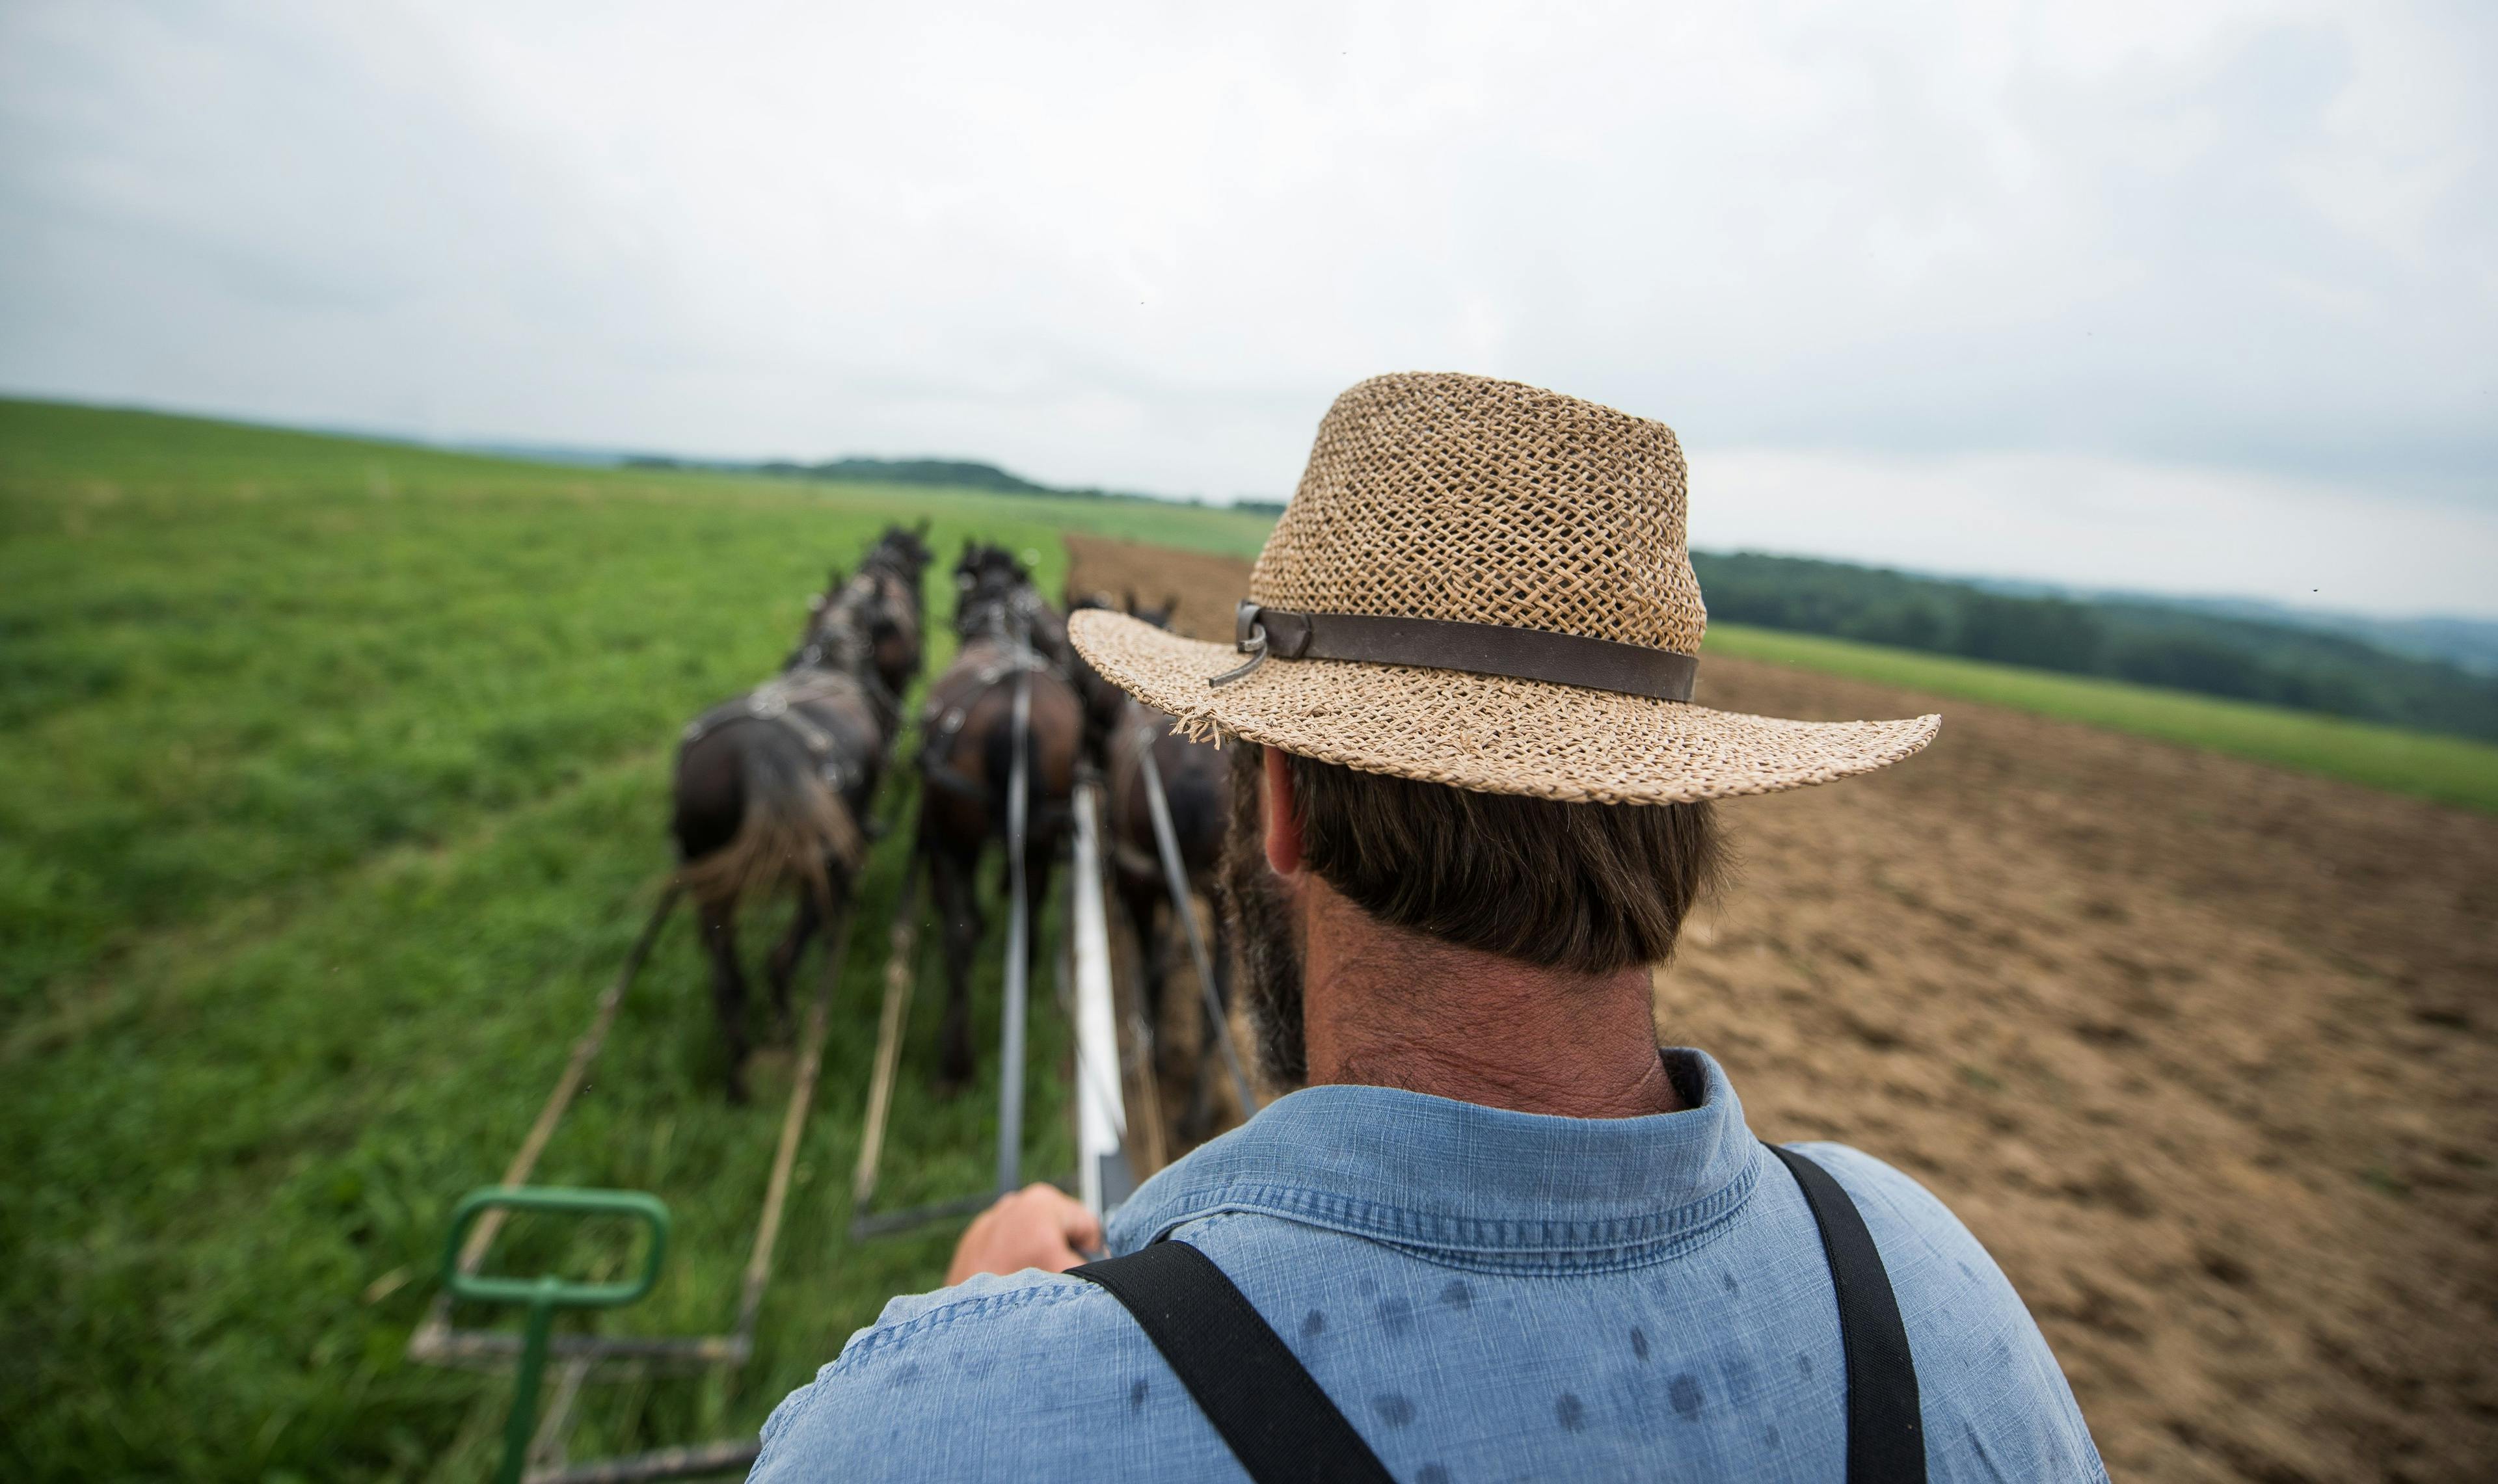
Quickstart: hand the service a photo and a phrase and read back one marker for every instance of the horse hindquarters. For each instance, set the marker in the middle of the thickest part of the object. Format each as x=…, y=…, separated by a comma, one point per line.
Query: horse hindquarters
x=709, y=813
x=793, y=828
x=710, y=802
x=789, y=827
x=964, y=806
x=857, y=738
x=1054, y=741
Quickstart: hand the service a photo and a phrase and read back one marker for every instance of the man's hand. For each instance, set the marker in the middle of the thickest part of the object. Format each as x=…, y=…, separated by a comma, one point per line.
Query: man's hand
x=1038, y=1226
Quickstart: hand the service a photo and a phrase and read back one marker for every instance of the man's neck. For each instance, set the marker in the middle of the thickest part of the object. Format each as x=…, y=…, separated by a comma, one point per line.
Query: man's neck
x=1385, y=1007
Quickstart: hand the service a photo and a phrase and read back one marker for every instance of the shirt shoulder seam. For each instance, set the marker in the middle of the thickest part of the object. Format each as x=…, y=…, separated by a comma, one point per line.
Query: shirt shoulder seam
x=1612, y=1243
x=882, y=1338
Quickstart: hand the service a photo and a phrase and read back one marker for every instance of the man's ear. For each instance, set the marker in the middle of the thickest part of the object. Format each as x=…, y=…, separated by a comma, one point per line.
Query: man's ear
x=1283, y=816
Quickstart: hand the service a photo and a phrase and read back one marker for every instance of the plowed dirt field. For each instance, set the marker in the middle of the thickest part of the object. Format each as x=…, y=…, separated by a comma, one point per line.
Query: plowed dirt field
x=2205, y=1052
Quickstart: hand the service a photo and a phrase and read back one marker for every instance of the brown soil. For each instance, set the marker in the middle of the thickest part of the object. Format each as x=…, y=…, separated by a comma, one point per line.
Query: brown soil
x=2205, y=1052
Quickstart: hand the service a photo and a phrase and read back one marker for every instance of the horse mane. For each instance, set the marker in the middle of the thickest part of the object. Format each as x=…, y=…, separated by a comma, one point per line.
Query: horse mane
x=901, y=553
x=839, y=637
x=841, y=630
x=992, y=583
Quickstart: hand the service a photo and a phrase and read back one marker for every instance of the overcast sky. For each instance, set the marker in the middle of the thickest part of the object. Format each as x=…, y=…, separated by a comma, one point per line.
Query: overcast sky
x=2186, y=298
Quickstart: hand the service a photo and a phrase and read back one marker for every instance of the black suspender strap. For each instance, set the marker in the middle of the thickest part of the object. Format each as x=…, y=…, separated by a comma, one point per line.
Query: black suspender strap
x=1284, y=1430
x=1886, y=1435
x=1266, y=1405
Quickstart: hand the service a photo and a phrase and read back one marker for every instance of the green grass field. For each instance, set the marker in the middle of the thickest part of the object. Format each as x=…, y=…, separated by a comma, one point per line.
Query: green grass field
x=2448, y=770
x=332, y=787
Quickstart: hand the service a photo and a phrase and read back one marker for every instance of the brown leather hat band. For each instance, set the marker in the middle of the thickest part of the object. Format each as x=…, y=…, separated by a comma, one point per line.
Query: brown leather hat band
x=1477, y=648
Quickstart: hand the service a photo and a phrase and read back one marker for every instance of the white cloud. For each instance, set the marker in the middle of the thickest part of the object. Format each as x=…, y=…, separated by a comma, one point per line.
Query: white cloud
x=2096, y=523
x=1142, y=246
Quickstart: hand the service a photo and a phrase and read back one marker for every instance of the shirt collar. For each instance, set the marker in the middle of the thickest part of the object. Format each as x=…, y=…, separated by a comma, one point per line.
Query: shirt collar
x=1466, y=1180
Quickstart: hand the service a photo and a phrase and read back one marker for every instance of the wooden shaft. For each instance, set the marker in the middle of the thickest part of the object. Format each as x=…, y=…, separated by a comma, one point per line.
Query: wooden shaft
x=899, y=980
x=794, y=1125
x=584, y=1052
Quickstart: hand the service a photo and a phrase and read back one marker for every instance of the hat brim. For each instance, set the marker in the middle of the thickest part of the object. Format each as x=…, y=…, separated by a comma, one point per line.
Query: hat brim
x=1486, y=733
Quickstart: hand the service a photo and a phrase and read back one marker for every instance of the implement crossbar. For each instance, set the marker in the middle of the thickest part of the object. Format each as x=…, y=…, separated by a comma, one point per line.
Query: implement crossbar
x=901, y=962
x=435, y=1342
x=688, y=1462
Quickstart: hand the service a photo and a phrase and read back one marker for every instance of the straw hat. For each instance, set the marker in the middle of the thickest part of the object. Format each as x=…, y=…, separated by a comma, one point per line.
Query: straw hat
x=1483, y=584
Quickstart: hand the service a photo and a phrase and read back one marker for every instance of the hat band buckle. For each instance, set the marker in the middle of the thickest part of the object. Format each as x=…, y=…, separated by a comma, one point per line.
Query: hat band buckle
x=1502, y=650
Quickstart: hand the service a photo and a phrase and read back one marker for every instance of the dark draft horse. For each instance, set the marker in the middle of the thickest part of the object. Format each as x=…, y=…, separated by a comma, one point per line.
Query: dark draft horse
x=1122, y=731
x=967, y=762
x=772, y=787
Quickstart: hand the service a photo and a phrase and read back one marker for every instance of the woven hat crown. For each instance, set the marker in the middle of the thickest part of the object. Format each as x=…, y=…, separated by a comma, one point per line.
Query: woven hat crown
x=1440, y=495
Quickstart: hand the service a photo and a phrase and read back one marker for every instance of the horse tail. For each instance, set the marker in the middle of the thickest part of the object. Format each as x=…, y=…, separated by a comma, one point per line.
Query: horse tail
x=794, y=826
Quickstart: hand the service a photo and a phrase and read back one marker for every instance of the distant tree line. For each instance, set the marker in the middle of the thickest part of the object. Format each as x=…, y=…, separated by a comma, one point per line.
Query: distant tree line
x=2146, y=642
x=944, y=473
x=952, y=473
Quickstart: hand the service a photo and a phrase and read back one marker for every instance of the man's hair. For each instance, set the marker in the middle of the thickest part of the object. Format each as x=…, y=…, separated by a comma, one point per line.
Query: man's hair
x=1591, y=888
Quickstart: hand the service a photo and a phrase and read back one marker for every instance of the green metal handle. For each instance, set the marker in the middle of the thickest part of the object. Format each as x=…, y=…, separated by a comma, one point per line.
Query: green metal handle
x=553, y=1292
x=545, y=1295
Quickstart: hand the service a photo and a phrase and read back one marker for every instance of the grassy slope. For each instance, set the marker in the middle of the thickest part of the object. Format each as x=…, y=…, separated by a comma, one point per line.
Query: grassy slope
x=331, y=786
x=332, y=782
x=2446, y=768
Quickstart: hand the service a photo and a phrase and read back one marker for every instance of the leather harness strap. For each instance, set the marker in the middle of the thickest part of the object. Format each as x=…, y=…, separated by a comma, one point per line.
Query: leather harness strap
x=1264, y=1402
x=1886, y=1430
x=1477, y=648
x=780, y=702
x=1284, y=1430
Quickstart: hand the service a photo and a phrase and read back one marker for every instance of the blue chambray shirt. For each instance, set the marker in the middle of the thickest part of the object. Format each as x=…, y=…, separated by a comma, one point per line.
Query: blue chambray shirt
x=1486, y=1295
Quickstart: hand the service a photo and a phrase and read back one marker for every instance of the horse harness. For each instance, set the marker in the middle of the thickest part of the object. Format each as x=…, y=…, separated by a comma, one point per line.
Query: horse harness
x=1127, y=760
x=777, y=701
x=1282, y=1427
x=939, y=727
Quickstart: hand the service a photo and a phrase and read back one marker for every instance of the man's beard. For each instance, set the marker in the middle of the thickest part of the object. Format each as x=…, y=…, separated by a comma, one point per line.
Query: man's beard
x=1259, y=915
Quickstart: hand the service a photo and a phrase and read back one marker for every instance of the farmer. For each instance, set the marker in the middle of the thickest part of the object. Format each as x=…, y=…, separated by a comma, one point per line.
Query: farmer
x=1495, y=1233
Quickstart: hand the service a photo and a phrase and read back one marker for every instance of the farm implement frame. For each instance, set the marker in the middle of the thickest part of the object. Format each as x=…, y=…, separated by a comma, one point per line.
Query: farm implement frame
x=536, y=1449
x=536, y=1445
